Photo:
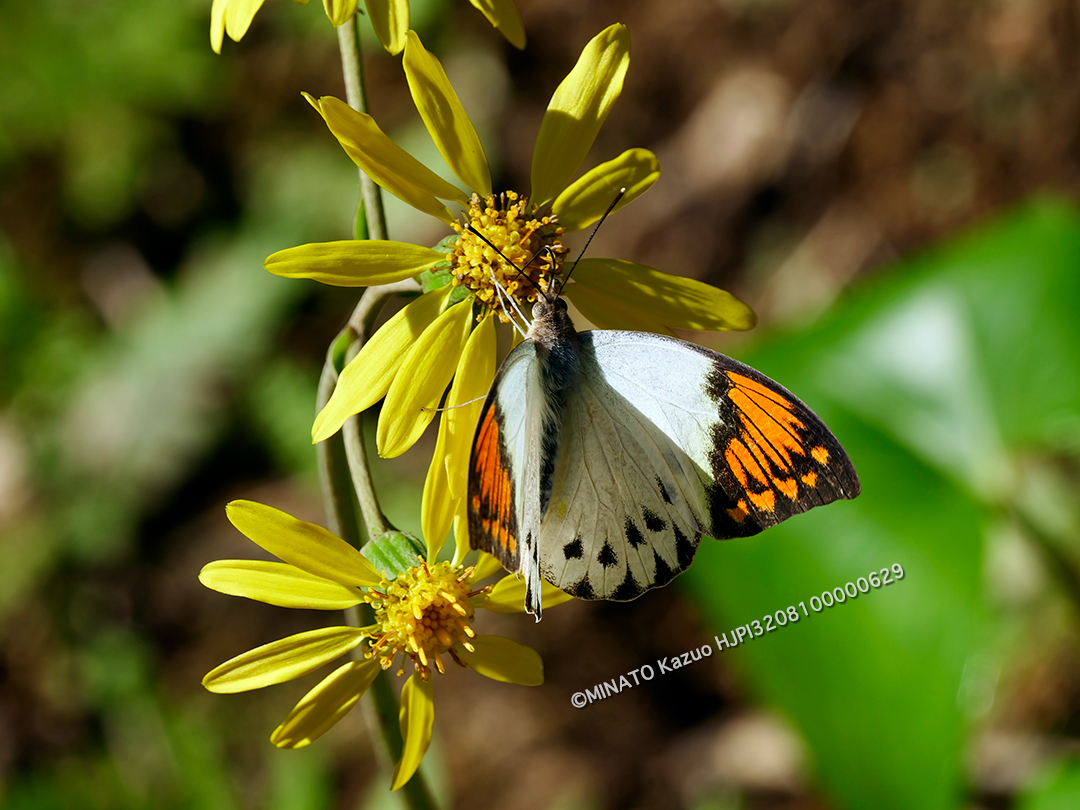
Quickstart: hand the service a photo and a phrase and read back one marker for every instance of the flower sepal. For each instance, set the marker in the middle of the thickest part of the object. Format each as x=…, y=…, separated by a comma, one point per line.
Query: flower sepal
x=394, y=553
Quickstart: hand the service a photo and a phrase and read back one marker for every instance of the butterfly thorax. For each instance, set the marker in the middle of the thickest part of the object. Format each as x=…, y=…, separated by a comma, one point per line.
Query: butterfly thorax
x=557, y=343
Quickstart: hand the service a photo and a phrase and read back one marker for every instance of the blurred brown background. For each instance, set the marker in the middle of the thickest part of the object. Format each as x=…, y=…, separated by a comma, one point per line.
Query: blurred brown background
x=151, y=371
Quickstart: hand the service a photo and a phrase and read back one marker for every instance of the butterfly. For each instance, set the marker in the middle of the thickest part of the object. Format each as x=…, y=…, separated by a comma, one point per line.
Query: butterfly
x=601, y=458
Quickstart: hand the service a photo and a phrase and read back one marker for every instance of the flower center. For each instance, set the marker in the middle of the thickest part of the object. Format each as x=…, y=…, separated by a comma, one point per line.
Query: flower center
x=530, y=243
x=421, y=615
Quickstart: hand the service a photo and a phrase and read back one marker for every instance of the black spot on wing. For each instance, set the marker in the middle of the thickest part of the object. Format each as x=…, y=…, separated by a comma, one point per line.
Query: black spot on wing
x=663, y=490
x=723, y=525
x=653, y=521
x=628, y=589
x=684, y=549
x=607, y=556
x=582, y=589
x=572, y=550
x=633, y=533
x=664, y=574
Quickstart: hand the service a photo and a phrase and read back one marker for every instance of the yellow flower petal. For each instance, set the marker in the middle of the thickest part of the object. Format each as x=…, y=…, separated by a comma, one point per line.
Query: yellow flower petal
x=390, y=19
x=417, y=716
x=385, y=162
x=588, y=197
x=238, y=17
x=217, y=24
x=622, y=295
x=366, y=379
x=508, y=596
x=503, y=14
x=461, y=535
x=475, y=372
x=486, y=565
x=444, y=117
x=283, y=660
x=308, y=546
x=577, y=111
x=436, y=505
x=425, y=372
x=450, y=464
x=340, y=11
x=353, y=263
x=503, y=659
x=324, y=706
x=278, y=584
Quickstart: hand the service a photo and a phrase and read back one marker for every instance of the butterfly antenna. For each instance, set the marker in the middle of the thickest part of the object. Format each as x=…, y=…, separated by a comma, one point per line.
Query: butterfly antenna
x=519, y=270
x=504, y=297
x=573, y=267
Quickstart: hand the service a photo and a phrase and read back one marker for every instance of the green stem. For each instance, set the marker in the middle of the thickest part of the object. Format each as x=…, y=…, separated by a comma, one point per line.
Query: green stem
x=353, y=513
x=339, y=499
x=360, y=325
x=352, y=65
x=352, y=505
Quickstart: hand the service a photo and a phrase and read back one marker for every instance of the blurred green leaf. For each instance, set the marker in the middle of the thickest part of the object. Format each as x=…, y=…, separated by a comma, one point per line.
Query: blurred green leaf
x=933, y=377
x=1057, y=789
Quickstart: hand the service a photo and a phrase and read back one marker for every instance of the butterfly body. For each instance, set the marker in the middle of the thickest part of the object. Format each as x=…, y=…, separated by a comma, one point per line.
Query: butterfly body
x=601, y=458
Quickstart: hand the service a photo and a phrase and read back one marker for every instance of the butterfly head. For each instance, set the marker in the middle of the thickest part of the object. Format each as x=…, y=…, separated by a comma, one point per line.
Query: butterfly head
x=549, y=308
x=551, y=326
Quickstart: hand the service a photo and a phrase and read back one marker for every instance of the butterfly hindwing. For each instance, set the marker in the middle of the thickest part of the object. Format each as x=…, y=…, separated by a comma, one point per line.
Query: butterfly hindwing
x=621, y=517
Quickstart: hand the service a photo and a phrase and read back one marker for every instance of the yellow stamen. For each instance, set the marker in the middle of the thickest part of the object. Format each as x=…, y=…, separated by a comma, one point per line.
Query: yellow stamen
x=525, y=242
x=421, y=614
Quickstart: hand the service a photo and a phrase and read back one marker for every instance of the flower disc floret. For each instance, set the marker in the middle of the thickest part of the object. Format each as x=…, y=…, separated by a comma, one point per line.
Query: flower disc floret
x=529, y=245
x=421, y=615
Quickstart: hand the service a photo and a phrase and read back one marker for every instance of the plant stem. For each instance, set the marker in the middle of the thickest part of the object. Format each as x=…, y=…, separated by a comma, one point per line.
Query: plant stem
x=343, y=465
x=353, y=513
x=352, y=66
x=339, y=499
x=360, y=324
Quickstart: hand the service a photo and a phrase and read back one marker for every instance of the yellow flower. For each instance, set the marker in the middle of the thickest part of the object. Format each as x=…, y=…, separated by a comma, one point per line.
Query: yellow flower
x=423, y=614
x=411, y=360
x=389, y=18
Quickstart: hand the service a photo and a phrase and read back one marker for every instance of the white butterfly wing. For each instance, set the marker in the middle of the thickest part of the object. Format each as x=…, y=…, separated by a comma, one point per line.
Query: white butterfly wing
x=505, y=478
x=623, y=515
x=663, y=441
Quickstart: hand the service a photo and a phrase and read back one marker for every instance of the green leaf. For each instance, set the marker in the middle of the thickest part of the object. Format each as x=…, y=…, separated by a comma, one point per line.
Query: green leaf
x=1056, y=789
x=436, y=277
x=394, y=553
x=935, y=377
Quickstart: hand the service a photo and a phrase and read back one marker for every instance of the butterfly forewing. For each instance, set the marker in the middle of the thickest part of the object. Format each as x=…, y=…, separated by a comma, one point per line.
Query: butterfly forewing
x=496, y=465
x=761, y=454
